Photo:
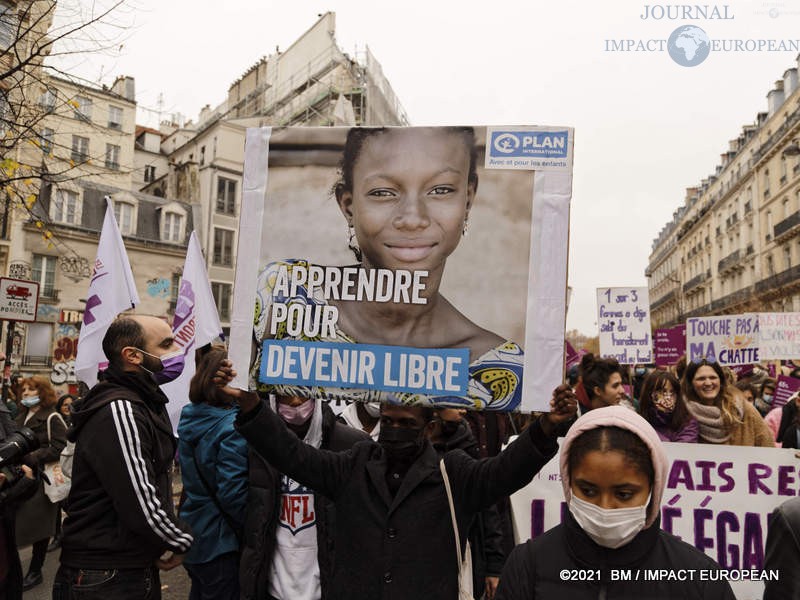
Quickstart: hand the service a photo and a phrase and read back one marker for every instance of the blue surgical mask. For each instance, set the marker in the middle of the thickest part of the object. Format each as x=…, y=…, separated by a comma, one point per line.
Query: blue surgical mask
x=31, y=401
x=767, y=398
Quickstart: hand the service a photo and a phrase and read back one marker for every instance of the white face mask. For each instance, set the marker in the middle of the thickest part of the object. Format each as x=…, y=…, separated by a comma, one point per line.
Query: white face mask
x=373, y=409
x=609, y=527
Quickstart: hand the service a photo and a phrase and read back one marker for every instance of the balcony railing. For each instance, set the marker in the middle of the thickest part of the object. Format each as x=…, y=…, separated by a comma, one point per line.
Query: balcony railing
x=694, y=282
x=787, y=227
x=728, y=262
x=671, y=295
x=35, y=360
x=732, y=299
x=779, y=279
x=48, y=295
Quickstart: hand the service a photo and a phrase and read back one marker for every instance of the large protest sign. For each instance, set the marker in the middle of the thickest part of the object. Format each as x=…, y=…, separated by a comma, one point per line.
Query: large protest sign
x=623, y=318
x=717, y=498
x=728, y=340
x=414, y=265
x=669, y=345
x=778, y=335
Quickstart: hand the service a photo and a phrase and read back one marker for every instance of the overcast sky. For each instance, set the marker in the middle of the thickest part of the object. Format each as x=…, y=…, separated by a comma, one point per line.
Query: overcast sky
x=645, y=127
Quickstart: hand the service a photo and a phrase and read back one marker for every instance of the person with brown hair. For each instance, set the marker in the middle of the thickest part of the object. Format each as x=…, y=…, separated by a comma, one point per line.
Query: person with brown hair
x=36, y=519
x=213, y=459
x=722, y=413
x=600, y=382
x=662, y=405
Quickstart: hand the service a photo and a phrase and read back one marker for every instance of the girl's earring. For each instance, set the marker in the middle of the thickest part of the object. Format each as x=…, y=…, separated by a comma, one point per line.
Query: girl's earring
x=352, y=242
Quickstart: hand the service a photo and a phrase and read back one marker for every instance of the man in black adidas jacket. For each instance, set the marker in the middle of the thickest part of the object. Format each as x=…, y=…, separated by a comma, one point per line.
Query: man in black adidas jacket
x=120, y=518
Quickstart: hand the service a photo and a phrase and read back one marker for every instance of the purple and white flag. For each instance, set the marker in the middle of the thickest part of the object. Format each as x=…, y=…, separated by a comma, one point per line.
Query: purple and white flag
x=112, y=290
x=196, y=324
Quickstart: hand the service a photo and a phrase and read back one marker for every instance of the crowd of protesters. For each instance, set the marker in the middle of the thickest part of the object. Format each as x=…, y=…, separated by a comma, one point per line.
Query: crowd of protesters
x=282, y=499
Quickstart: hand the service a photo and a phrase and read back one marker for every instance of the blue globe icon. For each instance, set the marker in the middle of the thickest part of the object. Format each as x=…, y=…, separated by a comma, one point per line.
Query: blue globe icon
x=688, y=45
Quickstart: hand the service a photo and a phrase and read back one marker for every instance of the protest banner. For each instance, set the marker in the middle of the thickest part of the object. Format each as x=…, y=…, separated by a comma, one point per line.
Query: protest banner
x=112, y=290
x=728, y=340
x=717, y=498
x=623, y=319
x=352, y=298
x=778, y=335
x=196, y=324
x=742, y=370
x=785, y=388
x=573, y=357
x=669, y=345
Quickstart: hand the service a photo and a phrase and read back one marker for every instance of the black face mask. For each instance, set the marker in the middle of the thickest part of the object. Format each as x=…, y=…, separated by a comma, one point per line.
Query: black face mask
x=400, y=442
x=448, y=428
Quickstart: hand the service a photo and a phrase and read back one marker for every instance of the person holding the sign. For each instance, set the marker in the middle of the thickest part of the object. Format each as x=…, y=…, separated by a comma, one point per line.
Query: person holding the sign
x=406, y=196
x=394, y=535
x=613, y=471
x=662, y=405
x=722, y=413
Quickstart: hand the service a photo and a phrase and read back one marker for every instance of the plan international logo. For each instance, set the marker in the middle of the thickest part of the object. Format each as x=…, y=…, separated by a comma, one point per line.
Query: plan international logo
x=688, y=44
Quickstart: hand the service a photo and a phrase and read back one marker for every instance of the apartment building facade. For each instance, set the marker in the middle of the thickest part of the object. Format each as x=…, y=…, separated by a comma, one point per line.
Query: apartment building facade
x=734, y=244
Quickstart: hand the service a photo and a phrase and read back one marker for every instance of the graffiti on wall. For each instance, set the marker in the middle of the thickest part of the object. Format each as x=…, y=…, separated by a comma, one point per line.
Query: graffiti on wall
x=64, y=353
x=75, y=267
x=19, y=270
x=158, y=287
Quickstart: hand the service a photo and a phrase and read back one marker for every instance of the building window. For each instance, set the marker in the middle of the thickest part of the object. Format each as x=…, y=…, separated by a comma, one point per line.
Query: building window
x=172, y=227
x=8, y=24
x=149, y=173
x=223, y=247
x=123, y=212
x=83, y=108
x=65, y=207
x=38, y=345
x=226, y=196
x=114, y=117
x=202, y=156
x=47, y=140
x=44, y=273
x=770, y=266
x=787, y=256
x=222, y=298
x=112, y=157
x=48, y=100
x=80, y=149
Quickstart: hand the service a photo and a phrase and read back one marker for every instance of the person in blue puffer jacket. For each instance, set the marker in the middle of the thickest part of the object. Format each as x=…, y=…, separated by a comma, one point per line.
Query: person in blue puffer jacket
x=213, y=459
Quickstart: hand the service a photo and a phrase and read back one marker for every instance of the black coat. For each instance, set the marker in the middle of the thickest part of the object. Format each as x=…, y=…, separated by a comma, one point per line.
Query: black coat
x=486, y=534
x=397, y=548
x=783, y=552
x=263, y=511
x=119, y=510
x=536, y=568
x=36, y=518
x=12, y=494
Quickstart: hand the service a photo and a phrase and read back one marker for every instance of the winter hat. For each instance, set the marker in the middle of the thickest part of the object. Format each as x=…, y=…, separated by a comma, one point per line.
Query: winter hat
x=624, y=418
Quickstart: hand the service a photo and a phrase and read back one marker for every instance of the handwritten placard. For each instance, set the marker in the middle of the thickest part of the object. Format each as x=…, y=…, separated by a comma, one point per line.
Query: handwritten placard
x=778, y=335
x=728, y=340
x=623, y=318
x=670, y=345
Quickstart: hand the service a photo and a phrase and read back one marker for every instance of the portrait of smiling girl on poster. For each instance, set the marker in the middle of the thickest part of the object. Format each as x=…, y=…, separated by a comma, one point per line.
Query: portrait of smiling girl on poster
x=392, y=267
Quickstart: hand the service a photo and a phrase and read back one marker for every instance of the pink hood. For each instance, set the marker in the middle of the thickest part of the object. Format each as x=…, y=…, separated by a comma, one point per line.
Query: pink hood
x=624, y=418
